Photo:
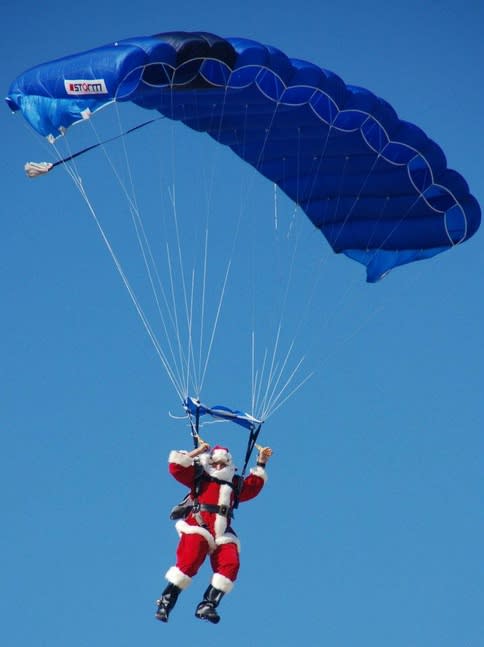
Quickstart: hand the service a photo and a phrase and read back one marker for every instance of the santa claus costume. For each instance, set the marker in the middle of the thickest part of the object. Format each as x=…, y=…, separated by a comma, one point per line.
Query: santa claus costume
x=207, y=529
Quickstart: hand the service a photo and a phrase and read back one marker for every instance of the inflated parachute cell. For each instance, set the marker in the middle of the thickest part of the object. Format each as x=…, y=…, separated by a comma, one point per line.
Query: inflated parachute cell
x=376, y=186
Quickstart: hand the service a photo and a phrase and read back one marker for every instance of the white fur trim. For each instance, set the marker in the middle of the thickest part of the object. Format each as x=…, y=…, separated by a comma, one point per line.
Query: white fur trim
x=225, y=474
x=228, y=538
x=183, y=526
x=220, y=525
x=259, y=471
x=180, y=458
x=222, y=583
x=177, y=577
x=224, y=498
x=221, y=454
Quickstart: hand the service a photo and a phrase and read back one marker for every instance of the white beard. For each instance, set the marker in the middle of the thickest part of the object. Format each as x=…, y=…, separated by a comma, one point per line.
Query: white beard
x=227, y=473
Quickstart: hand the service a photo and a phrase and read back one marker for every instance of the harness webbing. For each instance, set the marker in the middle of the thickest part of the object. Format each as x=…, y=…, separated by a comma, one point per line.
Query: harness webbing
x=253, y=435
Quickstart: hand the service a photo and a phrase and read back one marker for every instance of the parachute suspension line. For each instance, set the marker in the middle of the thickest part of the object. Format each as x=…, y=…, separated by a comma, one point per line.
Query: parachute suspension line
x=277, y=403
x=260, y=376
x=72, y=156
x=182, y=355
x=196, y=366
x=317, y=274
x=242, y=210
x=217, y=316
x=209, y=184
x=253, y=374
x=147, y=253
x=190, y=350
x=198, y=385
x=273, y=382
x=183, y=359
x=144, y=246
x=272, y=396
x=189, y=358
x=271, y=376
x=77, y=180
x=143, y=240
x=192, y=364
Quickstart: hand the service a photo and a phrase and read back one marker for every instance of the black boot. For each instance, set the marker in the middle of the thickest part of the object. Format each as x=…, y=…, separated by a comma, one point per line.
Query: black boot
x=167, y=602
x=206, y=608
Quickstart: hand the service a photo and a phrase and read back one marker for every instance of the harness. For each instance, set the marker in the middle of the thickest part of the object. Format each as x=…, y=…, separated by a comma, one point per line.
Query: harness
x=190, y=503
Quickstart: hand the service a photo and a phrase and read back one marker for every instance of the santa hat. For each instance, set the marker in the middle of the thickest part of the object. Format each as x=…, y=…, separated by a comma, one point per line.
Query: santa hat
x=220, y=454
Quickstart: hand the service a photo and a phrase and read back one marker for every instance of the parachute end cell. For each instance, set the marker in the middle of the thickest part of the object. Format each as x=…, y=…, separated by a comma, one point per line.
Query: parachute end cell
x=380, y=262
x=36, y=169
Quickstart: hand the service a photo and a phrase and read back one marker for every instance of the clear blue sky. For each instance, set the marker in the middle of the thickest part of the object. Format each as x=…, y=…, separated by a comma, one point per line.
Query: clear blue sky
x=370, y=530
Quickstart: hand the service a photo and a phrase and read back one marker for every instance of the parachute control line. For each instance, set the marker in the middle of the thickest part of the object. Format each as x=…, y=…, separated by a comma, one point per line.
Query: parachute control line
x=36, y=169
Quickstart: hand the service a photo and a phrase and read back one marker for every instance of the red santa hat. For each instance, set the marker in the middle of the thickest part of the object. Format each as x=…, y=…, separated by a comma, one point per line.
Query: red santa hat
x=220, y=454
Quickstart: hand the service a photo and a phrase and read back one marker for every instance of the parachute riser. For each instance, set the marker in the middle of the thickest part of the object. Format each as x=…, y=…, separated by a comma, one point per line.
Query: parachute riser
x=195, y=426
x=195, y=409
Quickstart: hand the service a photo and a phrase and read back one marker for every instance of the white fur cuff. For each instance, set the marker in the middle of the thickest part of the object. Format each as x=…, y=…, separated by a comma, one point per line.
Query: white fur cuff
x=175, y=576
x=180, y=458
x=228, y=538
x=259, y=471
x=222, y=583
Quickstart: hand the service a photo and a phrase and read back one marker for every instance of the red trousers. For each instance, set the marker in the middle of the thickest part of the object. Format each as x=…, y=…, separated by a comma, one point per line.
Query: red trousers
x=193, y=549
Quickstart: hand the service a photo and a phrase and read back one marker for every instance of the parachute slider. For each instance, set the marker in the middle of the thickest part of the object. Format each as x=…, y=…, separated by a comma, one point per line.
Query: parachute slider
x=194, y=407
x=35, y=169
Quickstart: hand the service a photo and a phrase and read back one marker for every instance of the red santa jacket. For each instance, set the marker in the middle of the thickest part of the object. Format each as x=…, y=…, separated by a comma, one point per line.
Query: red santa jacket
x=216, y=527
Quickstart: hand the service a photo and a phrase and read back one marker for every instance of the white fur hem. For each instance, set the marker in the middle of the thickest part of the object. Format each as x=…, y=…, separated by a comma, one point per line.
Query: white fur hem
x=183, y=526
x=228, y=538
x=180, y=458
x=177, y=577
x=222, y=583
x=259, y=471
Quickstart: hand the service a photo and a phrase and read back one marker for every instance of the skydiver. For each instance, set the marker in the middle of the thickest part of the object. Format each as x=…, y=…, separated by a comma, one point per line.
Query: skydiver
x=206, y=530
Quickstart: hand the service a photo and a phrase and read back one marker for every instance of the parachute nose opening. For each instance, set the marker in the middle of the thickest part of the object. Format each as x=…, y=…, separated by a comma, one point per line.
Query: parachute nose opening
x=11, y=104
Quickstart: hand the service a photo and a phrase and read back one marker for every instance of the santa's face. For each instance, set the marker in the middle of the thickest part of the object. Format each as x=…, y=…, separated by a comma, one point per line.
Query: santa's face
x=218, y=465
x=219, y=469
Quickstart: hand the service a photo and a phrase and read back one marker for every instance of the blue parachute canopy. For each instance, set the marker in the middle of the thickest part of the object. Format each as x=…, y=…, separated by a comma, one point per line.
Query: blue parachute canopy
x=376, y=186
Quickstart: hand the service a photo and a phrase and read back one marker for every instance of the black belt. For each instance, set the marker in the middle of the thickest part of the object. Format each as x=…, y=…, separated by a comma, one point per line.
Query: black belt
x=224, y=510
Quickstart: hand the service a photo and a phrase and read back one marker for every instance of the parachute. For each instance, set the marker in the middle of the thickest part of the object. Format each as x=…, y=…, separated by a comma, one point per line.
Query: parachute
x=377, y=187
